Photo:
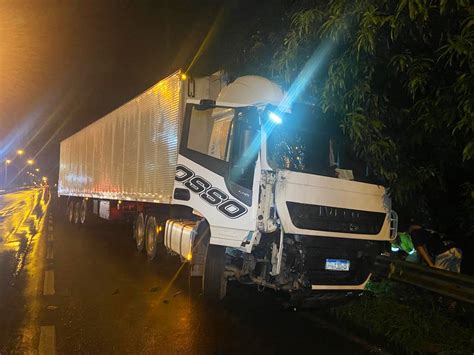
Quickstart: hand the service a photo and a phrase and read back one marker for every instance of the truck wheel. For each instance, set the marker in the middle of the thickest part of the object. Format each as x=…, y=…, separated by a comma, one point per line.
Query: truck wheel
x=84, y=215
x=70, y=212
x=77, y=212
x=139, y=231
x=151, y=237
x=214, y=281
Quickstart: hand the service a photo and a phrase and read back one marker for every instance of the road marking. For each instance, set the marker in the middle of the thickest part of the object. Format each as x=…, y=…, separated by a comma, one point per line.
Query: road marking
x=47, y=342
x=50, y=253
x=50, y=228
x=50, y=222
x=50, y=238
x=48, y=287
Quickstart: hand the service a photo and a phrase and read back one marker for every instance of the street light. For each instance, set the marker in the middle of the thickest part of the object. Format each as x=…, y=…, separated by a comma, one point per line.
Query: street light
x=37, y=170
x=7, y=162
x=20, y=152
x=30, y=161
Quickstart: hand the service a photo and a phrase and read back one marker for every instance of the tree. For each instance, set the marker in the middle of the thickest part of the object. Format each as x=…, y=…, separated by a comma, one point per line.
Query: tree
x=398, y=80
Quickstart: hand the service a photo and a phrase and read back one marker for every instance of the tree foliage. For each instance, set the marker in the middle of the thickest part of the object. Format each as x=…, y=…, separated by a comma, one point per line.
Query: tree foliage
x=399, y=81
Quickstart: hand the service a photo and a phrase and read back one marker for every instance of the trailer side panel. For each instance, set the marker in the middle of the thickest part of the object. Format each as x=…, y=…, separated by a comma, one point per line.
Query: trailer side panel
x=129, y=154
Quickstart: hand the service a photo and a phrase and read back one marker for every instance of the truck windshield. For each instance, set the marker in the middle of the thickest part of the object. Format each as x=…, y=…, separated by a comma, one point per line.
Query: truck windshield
x=303, y=141
x=297, y=142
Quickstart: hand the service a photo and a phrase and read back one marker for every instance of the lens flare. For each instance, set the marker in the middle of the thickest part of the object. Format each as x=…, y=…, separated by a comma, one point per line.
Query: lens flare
x=275, y=118
x=306, y=74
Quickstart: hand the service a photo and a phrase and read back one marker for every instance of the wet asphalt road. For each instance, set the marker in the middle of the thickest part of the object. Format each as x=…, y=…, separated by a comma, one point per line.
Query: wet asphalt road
x=87, y=290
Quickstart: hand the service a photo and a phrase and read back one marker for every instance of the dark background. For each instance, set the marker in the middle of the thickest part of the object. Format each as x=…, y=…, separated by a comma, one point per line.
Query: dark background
x=63, y=64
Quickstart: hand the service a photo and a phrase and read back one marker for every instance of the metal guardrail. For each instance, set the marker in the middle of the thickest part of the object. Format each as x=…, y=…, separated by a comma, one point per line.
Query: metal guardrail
x=450, y=284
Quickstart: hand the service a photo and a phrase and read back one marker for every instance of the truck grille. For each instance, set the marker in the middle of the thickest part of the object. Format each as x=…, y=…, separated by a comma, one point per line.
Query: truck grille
x=360, y=253
x=335, y=219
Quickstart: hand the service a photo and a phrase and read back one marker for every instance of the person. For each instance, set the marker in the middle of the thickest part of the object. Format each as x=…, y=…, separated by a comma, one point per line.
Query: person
x=434, y=250
x=404, y=244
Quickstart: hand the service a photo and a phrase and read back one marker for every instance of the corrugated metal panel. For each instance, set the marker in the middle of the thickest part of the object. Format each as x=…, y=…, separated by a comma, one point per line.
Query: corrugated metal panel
x=129, y=154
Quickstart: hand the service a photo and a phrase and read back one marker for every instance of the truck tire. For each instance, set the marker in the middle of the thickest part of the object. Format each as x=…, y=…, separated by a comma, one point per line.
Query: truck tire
x=84, y=213
x=200, y=244
x=139, y=231
x=152, y=237
x=70, y=212
x=214, y=280
x=77, y=212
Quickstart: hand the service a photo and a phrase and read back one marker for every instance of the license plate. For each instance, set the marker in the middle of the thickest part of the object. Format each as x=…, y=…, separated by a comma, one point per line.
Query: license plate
x=337, y=264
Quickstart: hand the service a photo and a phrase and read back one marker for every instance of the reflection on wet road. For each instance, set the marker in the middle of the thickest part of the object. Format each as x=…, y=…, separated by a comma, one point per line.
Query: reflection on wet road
x=22, y=216
x=87, y=290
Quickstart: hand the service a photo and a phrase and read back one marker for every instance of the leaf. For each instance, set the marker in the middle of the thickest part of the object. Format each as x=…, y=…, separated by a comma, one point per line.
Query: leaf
x=401, y=6
x=412, y=11
x=442, y=6
x=468, y=152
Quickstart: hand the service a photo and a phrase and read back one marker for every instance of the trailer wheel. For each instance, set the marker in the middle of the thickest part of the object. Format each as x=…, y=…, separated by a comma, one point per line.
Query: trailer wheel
x=214, y=281
x=70, y=212
x=84, y=215
x=152, y=234
x=77, y=212
x=139, y=231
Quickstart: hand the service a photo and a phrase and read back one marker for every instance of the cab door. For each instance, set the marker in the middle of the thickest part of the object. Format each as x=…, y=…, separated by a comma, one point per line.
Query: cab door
x=219, y=169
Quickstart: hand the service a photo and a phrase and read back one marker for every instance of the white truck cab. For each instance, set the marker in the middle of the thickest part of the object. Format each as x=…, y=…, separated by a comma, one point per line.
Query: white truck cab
x=263, y=176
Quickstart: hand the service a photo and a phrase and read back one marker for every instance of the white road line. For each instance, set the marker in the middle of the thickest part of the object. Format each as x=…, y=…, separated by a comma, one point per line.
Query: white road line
x=50, y=228
x=47, y=341
x=48, y=287
x=50, y=238
x=50, y=253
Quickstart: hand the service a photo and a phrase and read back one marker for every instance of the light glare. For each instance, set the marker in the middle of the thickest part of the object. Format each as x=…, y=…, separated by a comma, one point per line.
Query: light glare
x=275, y=118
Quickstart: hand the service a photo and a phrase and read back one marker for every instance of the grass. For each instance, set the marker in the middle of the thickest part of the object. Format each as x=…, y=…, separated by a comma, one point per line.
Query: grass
x=411, y=320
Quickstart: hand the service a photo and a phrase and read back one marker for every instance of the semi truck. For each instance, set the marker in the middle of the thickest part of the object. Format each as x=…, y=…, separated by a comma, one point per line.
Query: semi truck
x=235, y=182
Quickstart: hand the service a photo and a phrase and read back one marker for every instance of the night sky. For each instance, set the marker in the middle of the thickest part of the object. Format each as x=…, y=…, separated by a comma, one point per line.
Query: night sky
x=65, y=63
